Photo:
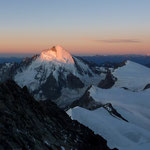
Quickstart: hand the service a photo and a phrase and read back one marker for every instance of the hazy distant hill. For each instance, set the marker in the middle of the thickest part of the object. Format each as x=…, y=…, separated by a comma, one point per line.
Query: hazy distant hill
x=10, y=59
x=98, y=59
x=112, y=59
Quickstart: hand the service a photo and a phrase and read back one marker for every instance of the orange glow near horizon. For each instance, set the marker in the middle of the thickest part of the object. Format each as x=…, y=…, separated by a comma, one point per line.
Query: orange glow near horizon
x=75, y=45
x=81, y=27
x=79, y=50
x=111, y=42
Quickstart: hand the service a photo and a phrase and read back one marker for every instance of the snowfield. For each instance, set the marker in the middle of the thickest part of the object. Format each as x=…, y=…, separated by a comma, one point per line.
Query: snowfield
x=133, y=106
x=132, y=76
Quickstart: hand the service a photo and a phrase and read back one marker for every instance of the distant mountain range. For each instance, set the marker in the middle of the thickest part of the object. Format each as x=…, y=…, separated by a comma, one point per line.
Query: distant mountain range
x=102, y=60
x=111, y=60
x=10, y=59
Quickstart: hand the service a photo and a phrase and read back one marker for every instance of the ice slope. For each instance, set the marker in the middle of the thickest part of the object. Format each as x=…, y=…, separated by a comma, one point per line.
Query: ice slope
x=133, y=106
x=118, y=133
x=132, y=76
x=136, y=103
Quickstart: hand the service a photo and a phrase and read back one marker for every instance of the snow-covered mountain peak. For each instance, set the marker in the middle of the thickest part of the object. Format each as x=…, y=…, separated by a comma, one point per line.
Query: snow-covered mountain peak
x=58, y=54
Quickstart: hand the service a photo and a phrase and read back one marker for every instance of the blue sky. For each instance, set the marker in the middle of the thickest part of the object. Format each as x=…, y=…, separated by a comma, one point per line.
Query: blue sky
x=81, y=26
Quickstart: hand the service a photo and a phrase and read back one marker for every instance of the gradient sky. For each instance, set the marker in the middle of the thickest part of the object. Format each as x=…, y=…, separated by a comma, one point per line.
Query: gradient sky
x=80, y=26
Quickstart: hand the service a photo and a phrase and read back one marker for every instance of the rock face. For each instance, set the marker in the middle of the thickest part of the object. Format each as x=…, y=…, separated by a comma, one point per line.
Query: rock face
x=30, y=125
x=147, y=87
x=113, y=111
x=86, y=101
x=108, y=82
x=7, y=71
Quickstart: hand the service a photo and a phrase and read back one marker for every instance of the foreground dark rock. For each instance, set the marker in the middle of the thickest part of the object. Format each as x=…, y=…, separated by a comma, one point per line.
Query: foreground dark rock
x=27, y=124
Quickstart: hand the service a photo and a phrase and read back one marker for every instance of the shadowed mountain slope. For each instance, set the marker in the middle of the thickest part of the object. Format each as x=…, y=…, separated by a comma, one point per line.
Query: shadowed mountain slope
x=28, y=124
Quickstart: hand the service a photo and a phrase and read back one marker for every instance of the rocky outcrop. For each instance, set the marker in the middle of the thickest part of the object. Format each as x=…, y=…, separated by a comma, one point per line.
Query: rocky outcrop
x=51, y=89
x=27, y=124
x=74, y=82
x=120, y=64
x=147, y=87
x=86, y=101
x=113, y=111
x=7, y=70
x=108, y=82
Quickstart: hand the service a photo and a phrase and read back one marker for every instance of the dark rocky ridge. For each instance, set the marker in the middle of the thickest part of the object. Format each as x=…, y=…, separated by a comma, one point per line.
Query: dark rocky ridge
x=26, y=124
x=52, y=88
x=8, y=72
x=112, y=111
x=91, y=65
x=108, y=82
x=86, y=101
x=147, y=87
x=120, y=64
